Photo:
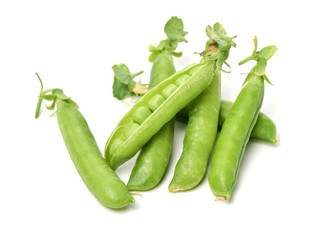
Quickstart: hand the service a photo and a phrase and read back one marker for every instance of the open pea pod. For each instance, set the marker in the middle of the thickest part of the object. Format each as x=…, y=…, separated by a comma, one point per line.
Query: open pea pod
x=156, y=108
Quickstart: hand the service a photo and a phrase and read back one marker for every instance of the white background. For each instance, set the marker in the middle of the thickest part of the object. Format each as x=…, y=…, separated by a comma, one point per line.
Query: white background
x=284, y=191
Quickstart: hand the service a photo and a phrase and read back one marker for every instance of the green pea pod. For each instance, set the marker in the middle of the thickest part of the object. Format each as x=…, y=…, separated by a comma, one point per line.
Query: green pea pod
x=95, y=171
x=155, y=109
x=264, y=129
x=199, y=138
x=154, y=157
x=162, y=103
x=236, y=130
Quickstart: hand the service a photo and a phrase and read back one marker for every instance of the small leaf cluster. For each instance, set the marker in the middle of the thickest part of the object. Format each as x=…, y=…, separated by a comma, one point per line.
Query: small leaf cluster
x=174, y=30
x=218, y=36
x=261, y=57
x=124, y=84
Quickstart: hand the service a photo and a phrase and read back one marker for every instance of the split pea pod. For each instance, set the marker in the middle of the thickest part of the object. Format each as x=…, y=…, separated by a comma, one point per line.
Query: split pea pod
x=154, y=157
x=155, y=109
x=95, y=171
x=199, y=138
x=264, y=129
x=236, y=130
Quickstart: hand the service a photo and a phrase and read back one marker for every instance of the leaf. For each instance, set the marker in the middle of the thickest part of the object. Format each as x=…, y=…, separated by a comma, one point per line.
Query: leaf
x=120, y=90
x=268, y=51
x=219, y=29
x=267, y=79
x=123, y=84
x=174, y=29
x=122, y=73
x=177, y=54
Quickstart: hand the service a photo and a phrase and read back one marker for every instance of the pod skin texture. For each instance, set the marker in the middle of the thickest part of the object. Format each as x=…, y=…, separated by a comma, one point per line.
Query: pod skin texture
x=95, y=171
x=120, y=149
x=234, y=137
x=199, y=138
x=154, y=157
x=264, y=129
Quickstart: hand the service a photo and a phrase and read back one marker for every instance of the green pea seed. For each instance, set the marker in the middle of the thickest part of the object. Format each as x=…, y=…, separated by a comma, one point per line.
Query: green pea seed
x=182, y=79
x=141, y=114
x=155, y=102
x=130, y=130
x=167, y=91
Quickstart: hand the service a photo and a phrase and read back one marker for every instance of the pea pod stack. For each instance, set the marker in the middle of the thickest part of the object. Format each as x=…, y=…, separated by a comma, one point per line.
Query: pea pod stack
x=192, y=94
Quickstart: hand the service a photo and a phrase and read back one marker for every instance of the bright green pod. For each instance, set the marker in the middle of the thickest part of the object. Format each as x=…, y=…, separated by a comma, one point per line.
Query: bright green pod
x=154, y=157
x=264, y=129
x=94, y=170
x=184, y=94
x=233, y=138
x=199, y=138
x=236, y=130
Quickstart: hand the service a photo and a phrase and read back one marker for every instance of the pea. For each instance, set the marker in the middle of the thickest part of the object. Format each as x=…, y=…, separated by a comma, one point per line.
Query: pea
x=182, y=79
x=95, y=171
x=130, y=130
x=167, y=91
x=155, y=102
x=141, y=114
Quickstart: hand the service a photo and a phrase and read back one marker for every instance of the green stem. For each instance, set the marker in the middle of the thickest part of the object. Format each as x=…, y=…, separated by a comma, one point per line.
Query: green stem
x=39, y=103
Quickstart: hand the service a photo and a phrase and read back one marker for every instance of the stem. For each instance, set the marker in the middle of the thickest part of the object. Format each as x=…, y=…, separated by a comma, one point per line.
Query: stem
x=39, y=103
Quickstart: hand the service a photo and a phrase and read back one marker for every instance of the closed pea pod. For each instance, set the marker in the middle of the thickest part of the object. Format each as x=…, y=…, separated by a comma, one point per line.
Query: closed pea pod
x=199, y=138
x=202, y=125
x=153, y=159
x=236, y=130
x=95, y=171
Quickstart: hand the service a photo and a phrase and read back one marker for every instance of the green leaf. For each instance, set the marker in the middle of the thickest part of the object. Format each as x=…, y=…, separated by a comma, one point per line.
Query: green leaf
x=177, y=54
x=267, y=79
x=218, y=37
x=268, y=51
x=124, y=84
x=174, y=29
x=122, y=73
x=120, y=90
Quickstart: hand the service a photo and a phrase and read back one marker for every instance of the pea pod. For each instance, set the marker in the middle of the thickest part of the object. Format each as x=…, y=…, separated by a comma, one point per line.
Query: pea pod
x=264, y=129
x=199, y=138
x=203, y=121
x=161, y=104
x=236, y=130
x=155, y=109
x=95, y=171
x=154, y=157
